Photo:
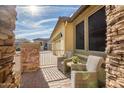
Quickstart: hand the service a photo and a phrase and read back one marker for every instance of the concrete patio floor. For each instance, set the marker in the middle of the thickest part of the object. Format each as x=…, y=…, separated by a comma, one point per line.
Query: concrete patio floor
x=48, y=76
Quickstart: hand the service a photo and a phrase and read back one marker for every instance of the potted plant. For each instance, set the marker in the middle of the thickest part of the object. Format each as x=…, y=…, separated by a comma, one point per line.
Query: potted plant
x=77, y=65
x=75, y=59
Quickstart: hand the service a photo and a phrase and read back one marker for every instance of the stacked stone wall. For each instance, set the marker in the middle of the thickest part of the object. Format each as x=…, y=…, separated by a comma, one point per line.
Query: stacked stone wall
x=30, y=57
x=7, y=48
x=115, y=46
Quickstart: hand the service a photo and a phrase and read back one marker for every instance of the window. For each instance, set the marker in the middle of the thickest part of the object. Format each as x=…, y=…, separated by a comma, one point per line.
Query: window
x=97, y=30
x=80, y=36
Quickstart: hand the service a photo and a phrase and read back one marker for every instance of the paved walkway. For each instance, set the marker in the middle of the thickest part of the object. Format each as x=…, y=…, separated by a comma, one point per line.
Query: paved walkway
x=46, y=77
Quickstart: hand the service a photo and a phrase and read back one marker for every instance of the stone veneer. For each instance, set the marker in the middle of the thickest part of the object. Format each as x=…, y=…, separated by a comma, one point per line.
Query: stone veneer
x=30, y=57
x=7, y=50
x=115, y=46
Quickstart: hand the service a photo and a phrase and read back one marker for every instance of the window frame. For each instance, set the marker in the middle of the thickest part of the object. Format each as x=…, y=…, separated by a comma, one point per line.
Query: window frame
x=93, y=51
x=83, y=35
x=86, y=31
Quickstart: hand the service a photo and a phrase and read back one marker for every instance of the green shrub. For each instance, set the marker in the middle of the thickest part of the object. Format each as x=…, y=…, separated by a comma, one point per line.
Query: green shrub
x=75, y=59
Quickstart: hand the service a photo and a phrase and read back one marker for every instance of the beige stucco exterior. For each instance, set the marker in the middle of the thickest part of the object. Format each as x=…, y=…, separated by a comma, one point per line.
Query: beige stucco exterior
x=84, y=17
x=68, y=28
x=69, y=37
x=58, y=40
x=61, y=38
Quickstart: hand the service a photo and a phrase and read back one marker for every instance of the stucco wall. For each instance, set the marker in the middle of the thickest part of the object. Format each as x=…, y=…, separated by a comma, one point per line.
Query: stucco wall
x=68, y=41
x=58, y=43
x=84, y=17
x=69, y=37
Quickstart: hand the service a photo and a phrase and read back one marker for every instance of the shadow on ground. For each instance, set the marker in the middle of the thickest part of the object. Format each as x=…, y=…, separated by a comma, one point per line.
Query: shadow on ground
x=34, y=80
x=46, y=77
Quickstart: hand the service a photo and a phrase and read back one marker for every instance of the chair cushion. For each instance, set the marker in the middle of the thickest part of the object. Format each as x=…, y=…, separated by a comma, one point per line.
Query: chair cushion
x=69, y=64
x=92, y=63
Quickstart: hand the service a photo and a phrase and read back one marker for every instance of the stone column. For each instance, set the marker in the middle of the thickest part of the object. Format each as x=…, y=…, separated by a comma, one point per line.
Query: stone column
x=115, y=46
x=30, y=57
x=7, y=49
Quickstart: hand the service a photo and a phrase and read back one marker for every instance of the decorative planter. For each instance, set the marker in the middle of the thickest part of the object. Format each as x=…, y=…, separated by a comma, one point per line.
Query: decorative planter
x=77, y=67
x=82, y=79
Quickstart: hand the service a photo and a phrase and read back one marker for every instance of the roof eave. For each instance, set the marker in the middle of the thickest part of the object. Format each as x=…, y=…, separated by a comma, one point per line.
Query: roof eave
x=60, y=19
x=78, y=12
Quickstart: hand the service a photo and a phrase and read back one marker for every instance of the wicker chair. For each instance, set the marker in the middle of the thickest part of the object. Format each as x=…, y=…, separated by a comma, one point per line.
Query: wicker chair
x=89, y=76
x=61, y=62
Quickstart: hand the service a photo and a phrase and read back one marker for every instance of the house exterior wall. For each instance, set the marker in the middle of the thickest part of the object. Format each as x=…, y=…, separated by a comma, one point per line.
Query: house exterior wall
x=58, y=43
x=83, y=54
x=69, y=37
x=68, y=41
x=65, y=43
x=84, y=17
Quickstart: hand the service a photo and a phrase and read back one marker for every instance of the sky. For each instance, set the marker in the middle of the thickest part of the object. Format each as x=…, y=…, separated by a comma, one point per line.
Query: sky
x=39, y=21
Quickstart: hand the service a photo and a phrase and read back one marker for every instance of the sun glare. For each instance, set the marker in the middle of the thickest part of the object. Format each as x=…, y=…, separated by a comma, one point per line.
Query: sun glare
x=33, y=10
